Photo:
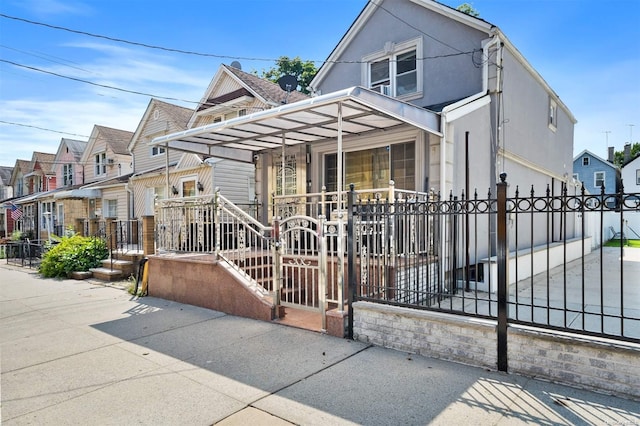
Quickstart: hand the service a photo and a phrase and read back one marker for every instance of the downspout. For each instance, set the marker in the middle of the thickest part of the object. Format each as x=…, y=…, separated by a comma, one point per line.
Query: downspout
x=443, y=140
x=443, y=115
x=131, y=200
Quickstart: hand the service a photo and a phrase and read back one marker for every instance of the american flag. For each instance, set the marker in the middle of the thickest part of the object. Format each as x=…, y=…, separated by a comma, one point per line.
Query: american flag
x=16, y=212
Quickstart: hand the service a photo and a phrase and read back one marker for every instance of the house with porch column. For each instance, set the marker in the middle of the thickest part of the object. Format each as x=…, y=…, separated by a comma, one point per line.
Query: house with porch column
x=418, y=101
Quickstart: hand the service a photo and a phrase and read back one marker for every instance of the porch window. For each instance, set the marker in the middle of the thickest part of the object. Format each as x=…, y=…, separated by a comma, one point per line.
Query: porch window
x=598, y=178
x=101, y=164
x=373, y=168
x=111, y=207
x=290, y=175
x=67, y=174
x=396, y=71
x=188, y=188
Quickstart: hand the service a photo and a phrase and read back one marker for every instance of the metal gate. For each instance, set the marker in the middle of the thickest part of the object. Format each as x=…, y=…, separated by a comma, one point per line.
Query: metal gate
x=301, y=261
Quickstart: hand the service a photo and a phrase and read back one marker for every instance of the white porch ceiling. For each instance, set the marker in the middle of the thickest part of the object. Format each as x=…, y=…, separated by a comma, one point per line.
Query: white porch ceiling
x=308, y=121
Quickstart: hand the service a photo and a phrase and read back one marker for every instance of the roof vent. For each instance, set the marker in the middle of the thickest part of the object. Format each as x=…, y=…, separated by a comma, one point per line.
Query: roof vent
x=236, y=64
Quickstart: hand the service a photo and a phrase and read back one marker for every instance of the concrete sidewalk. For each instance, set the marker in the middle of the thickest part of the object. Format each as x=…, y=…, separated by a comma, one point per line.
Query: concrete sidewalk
x=76, y=352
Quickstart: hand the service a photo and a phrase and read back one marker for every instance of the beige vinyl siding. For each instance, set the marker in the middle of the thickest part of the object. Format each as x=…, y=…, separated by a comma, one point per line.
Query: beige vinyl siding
x=155, y=127
x=236, y=180
x=116, y=193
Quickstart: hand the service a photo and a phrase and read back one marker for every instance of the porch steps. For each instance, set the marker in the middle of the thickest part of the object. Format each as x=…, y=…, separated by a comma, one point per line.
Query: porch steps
x=117, y=269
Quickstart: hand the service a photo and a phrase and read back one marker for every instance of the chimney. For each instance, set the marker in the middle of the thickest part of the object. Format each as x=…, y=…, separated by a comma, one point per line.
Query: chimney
x=610, y=154
x=627, y=153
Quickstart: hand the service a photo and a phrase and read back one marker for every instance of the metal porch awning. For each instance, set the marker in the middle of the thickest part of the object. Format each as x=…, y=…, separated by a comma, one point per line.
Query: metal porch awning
x=335, y=115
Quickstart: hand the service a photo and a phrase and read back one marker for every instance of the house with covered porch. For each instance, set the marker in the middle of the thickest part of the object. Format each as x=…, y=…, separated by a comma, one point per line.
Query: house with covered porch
x=418, y=101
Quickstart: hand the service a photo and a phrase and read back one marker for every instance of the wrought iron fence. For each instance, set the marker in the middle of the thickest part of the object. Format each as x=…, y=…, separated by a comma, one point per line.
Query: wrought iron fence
x=25, y=252
x=456, y=255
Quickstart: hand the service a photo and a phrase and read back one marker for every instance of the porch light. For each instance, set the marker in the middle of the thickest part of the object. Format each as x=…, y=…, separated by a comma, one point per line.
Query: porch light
x=174, y=190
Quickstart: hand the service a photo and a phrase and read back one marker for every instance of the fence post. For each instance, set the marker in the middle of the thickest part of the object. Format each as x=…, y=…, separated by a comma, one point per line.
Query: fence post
x=351, y=259
x=502, y=250
x=148, y=235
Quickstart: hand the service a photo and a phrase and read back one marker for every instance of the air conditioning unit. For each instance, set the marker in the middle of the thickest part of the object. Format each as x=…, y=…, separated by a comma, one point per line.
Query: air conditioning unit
x=110, y=161
x=385, y=89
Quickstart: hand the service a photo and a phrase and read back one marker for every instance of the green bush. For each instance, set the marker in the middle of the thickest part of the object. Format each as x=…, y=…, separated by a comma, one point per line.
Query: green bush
x=73, y=254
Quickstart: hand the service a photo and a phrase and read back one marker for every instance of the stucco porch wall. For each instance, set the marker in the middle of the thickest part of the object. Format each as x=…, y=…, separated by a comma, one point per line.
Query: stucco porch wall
x=200, y=281
x=597, y=364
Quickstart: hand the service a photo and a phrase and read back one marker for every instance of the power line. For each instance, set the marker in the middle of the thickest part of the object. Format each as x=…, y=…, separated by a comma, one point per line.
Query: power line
x=42, y=128
x=243, y=58
x=97, y=84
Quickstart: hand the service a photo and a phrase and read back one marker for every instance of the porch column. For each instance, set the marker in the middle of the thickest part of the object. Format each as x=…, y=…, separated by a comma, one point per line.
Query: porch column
x=148, y=235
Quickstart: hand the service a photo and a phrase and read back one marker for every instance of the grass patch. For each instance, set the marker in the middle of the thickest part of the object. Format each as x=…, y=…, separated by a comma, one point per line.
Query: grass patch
x=627, y=243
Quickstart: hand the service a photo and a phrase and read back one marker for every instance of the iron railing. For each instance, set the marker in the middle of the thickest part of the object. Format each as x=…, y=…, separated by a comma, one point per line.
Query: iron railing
x=451, y=256
x=25, y=252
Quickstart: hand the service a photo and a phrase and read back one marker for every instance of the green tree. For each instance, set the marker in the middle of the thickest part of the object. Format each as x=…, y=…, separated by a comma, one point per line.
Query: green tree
x=468, y=9
x=618, y=156
x=304, y=71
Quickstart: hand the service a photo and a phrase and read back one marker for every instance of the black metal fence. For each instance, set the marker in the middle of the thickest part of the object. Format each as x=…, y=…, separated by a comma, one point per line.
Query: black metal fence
x=26, y=252
x=534, y=259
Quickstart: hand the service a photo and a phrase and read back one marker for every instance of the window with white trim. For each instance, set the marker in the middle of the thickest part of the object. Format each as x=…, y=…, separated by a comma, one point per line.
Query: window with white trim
x=553, y=115
x=188, y=187
x=100, y=164
x=585, y=161
x=637, y=176
x=598, y=179
x=111, y=208
x=67, y=174
x=396, y=70
x=157, y=150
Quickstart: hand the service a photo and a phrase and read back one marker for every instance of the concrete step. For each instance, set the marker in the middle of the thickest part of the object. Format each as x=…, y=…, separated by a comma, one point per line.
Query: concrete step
x=127, y=267
x=106, y=274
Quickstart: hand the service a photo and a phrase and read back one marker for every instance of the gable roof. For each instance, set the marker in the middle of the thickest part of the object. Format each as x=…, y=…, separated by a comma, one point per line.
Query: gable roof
x=367, y=12
x=479, y=24
x=267, y=92
x=586, y=151
x=5, y=175
x=76, y=147
x=45, y=160
x=178, y=115
x=115, y=139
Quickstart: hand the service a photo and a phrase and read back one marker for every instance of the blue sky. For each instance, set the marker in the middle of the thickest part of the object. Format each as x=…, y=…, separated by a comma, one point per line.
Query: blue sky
x=587, y=50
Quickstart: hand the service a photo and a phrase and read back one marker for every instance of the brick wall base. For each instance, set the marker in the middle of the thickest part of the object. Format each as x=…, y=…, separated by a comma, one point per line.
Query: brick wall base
x=596, y=364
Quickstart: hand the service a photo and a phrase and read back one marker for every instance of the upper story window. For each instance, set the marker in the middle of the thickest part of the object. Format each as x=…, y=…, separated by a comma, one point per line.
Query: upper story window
x=598, y=179
x=100, y=164
x=553, y=115
x=157, y=150
x=395, y=71
x=67, y=174
x=585, y=161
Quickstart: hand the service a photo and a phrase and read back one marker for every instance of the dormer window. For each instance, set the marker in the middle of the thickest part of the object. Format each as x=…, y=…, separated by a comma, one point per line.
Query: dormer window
x=396, y=71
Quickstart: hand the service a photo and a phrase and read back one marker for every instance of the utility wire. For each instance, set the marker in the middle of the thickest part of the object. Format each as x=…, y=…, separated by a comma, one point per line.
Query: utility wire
x=243, y=58
x=42, y=128
x=97, y=84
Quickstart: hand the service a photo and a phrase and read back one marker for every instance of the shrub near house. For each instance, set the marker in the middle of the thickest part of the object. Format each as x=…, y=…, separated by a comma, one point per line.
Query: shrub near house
x=73, y=254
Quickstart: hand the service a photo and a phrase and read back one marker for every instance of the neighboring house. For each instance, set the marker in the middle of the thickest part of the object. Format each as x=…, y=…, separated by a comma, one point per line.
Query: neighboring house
x=231, y=94
x=631, y=181
x=595, y=172
x=154, y=169
x=69, y=205
x=448, y=103
x=20, y=169
x=107, y=165
x=37, y=183
x=6, y=191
